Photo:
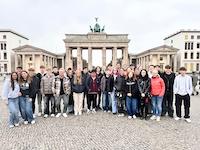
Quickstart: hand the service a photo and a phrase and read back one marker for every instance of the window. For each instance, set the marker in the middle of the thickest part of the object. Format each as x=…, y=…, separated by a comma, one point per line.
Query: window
x=197, y=55
x=192, y=46
x=4, y=36
x=185, y=45
x=1, y=46
x=185, y=56
x=5, y=55
x=191, y=56
x=30, y=58
x=197, y=67
x=4, y=46
x=189, y=45
x=192, y=36
x=198, y=45
x=198, y=36
x=5, y=68
x=161, y=58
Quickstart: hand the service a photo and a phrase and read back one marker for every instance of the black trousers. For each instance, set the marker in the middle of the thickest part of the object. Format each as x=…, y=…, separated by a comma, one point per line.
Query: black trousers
x=121, y=102
x=33, y=103
x=167, y=104
x=186, y=102
x=99, y=99
x=144, y=105
x=92, y=100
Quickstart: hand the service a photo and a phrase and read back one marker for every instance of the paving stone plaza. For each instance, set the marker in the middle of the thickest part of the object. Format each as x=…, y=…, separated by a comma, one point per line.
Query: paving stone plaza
x=102, y=131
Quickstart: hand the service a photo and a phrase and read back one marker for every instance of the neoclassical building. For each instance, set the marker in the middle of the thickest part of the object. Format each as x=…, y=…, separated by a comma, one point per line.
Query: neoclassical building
x=161, y=55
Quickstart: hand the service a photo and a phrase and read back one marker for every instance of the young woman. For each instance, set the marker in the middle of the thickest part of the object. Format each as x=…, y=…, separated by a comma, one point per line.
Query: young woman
x=78, y=88
x=99, y=77
x=93, y=87
x=157, y=93
x=10, y=93
x=144, y=88
x=132, y=95
x=28, y=89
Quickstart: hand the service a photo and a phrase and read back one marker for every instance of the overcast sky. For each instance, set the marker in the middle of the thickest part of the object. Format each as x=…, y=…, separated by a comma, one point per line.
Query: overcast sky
x=45, y=22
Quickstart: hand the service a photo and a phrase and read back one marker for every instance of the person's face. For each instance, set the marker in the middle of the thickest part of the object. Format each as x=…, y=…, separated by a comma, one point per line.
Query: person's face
x=122, y=72
x=182, y=72
x=158, y=68
x=130, y=75
x=115, y=71
x=118, y=66
x=19, y=70
x=70, y=72
x=168, y=71
x=49, y=72
x=62, y=72
x=155, y=73
x=42, y=70
x=14, y=76
x=55, y=70
x=24, y=75
x=143, y=73
x=85, y=70
x=98, y=69
x=151, y=68
x=93, y=74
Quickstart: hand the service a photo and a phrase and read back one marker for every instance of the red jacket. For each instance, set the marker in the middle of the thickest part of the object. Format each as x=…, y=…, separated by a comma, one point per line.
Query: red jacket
x=157, y=86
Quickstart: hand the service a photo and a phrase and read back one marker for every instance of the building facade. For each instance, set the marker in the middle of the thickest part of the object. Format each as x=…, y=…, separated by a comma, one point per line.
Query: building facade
x=188, y=43
x=9, y=39
x=161, y=55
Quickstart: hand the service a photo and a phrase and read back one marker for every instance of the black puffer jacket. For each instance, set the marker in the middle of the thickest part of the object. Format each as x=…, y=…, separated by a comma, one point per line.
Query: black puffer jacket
x=169, y=81
x=132, y=87
x=144, y=85
x=120, y=84
x=107, y=84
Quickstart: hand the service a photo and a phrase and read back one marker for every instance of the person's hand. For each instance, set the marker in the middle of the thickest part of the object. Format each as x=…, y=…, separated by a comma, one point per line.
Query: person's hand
x=143, y=95
x=30, y=99
x=19, y=94
x=5, y=100
x=129, y=94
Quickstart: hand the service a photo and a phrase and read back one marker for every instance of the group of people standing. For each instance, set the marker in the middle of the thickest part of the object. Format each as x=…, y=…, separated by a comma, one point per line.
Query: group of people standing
x=134, y=92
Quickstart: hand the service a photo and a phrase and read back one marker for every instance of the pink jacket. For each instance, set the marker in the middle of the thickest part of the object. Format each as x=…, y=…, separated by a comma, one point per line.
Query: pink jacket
x=157, y=86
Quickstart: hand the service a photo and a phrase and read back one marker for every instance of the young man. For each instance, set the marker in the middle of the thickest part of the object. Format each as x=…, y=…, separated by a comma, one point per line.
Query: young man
x=39, y=95
x=61, y=88
x=55, y=71
x=182, y=91
x=167, y=105
x=47, y=93
x=85, y=76
x=194, y=83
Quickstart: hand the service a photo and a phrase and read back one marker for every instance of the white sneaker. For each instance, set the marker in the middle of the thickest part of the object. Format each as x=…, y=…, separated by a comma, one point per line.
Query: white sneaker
x=80, y=113
x=65, y=115
x=33, y=122
x=134, y=117
x=58, y=115
x=45, y=116
x=105, y=111
x=52, y=115
x=121, y=115
x=11, y=126
x=158, y=118
x=88, y=111
x=129, y=117
x=39, y=114
x=153, y=117
x=34, y=116
x=109, y=111
x=188, y=120
x=177, y=118
x=17, y=125
x=76, y=114
x=25, y=122
x=93, y=111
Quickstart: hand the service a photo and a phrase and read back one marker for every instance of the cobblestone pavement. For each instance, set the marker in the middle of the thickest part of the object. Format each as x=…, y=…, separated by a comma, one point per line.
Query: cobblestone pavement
x=102, y=131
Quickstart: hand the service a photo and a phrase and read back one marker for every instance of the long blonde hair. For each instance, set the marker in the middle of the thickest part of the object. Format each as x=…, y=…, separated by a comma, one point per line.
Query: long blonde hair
x=78, y=77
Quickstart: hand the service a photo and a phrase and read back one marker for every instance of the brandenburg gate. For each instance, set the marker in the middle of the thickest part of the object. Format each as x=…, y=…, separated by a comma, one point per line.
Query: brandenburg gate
x=96, y=39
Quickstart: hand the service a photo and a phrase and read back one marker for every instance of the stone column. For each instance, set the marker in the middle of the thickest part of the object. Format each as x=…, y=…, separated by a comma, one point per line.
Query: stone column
x=89, y=58
x=104, y=57
x=33, y=61
x=23, y=62
x=114, y=56
x=158, y=59
x=69, y=63
x=175, y=63
x=16, y=61
x=79, y=58
x=168, y=59
x=63, y=65
x=125, y=56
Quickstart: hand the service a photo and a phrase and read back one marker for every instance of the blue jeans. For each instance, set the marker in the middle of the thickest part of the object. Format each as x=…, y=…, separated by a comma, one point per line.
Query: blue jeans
x=131, y=104
x=157, y=105
x=114, y=102
x=26, y=108
x=106, y=103
x=13, y=105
